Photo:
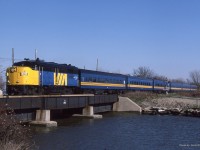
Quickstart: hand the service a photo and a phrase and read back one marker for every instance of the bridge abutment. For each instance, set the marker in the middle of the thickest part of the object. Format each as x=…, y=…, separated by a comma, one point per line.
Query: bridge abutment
x=125, y=104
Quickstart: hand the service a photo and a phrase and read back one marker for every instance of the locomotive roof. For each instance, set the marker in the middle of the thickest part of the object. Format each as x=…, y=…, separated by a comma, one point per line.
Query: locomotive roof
x=50, y=66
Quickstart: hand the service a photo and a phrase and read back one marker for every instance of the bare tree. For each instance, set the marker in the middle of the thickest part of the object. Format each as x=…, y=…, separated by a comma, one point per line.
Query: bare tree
x=144, y=72
x=195, y=78
x=160, y=77
x=179, y=80
x=188, y=81
x=2, y=83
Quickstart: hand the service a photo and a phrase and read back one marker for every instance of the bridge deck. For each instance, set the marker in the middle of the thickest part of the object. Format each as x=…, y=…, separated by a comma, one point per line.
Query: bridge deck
x=57, y=101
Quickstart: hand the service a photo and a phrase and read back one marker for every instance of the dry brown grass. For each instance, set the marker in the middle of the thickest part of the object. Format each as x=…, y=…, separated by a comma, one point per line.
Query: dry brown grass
x=140, y=97
x=195, y=94
x=13, y=135
x=181, y=100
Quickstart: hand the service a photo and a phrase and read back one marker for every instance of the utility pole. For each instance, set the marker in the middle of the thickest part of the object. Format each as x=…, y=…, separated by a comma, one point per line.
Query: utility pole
x=13, y=57
x=97, y=67
x=35, y=54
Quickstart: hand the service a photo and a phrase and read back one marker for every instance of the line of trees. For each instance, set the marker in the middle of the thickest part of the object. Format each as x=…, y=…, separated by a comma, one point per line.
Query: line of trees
x=146, y=72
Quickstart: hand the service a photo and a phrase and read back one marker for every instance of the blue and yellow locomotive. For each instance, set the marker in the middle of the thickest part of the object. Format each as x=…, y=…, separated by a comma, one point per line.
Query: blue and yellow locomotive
x=39, y=77
x=31, y=77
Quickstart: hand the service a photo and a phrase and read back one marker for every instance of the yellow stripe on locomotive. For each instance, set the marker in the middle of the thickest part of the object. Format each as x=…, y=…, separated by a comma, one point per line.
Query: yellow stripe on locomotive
x=60, y=79
x=22, y=76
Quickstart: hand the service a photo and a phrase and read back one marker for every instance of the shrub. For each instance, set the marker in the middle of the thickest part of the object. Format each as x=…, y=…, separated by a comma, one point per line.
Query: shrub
x=13, y=135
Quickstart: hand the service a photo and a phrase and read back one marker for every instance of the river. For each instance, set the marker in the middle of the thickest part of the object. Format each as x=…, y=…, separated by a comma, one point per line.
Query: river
x=121, y=131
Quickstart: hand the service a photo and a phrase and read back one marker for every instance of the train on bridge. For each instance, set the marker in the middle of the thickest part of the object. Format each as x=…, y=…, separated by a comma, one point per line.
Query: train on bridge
x=37, y=77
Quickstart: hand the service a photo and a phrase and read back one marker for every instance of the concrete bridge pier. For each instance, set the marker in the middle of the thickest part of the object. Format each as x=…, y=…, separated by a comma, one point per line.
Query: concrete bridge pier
x=88, y=112
x=43, y=119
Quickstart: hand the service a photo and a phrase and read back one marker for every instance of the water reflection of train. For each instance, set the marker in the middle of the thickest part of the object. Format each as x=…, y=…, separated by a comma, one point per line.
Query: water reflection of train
x=31, y=77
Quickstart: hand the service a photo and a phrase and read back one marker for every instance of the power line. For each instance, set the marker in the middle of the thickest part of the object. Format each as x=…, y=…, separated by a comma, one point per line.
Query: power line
x=5, y=58
x=10, y=59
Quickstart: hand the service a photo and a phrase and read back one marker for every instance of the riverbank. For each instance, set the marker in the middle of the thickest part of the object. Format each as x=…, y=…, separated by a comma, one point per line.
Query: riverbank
x=182, y=101
x=172, y=102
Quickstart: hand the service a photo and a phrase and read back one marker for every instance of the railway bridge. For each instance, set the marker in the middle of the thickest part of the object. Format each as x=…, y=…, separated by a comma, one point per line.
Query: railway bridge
x=38, y=108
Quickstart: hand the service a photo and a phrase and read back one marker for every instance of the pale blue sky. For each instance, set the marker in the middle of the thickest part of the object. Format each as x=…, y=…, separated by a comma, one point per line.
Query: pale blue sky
x=123, y=34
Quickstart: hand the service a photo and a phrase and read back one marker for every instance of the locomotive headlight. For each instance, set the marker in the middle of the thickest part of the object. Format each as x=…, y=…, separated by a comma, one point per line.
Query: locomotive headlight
x=13, y=69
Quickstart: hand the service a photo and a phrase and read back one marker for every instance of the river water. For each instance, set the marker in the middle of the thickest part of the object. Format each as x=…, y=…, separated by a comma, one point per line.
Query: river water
x=121, y=131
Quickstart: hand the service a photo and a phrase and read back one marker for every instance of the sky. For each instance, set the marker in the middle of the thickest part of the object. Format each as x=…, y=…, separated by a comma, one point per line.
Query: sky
x=123, y=35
